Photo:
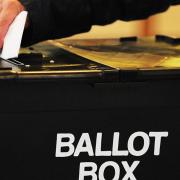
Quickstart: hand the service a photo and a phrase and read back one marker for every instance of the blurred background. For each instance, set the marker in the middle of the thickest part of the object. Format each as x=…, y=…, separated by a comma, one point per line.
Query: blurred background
x=165, y=23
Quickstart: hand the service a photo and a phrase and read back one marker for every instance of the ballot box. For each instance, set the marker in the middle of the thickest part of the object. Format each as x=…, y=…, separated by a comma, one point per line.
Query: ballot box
x=92, y=109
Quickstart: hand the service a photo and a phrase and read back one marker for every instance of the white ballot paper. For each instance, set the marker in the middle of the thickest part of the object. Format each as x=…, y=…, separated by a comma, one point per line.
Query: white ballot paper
x=12, y=41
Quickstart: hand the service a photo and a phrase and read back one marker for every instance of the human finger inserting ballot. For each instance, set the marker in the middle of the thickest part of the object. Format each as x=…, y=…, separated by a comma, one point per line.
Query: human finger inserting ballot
x=9, y=9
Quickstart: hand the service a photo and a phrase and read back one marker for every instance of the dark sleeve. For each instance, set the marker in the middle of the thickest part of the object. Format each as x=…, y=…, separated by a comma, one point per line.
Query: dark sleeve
x=50, y=19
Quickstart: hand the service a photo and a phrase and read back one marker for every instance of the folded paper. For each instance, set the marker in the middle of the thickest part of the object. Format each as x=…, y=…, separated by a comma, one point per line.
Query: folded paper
x=13, y=38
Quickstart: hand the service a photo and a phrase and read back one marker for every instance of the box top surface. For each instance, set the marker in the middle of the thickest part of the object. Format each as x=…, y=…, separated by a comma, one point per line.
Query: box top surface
x=98, y=60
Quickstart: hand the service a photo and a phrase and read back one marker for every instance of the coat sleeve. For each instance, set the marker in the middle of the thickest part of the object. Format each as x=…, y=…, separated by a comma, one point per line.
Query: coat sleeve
x=50, y=19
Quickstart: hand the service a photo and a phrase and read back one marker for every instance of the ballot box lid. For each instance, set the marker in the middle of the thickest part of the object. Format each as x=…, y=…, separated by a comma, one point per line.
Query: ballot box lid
x=149, y=58
x=97, y=60
x=46, y=61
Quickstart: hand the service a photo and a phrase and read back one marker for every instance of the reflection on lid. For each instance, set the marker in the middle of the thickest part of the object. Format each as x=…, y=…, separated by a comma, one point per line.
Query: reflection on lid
x=141, y=54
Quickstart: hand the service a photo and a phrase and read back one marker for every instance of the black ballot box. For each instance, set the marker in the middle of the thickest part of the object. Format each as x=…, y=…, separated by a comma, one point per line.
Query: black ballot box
x=91, y=109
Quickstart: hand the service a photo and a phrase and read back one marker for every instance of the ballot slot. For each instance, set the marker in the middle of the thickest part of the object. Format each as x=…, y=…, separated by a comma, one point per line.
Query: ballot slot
x=14, y=62
x=25, y=60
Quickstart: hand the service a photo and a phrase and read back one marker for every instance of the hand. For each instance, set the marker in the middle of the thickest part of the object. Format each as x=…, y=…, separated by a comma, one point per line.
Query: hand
x=9, y=9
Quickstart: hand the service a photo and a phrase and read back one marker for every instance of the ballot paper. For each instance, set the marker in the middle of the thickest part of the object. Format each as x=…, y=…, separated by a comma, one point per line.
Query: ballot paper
x=12, y=41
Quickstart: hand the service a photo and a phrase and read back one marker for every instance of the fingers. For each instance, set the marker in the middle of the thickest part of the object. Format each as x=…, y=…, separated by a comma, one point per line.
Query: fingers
x=9, y=9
